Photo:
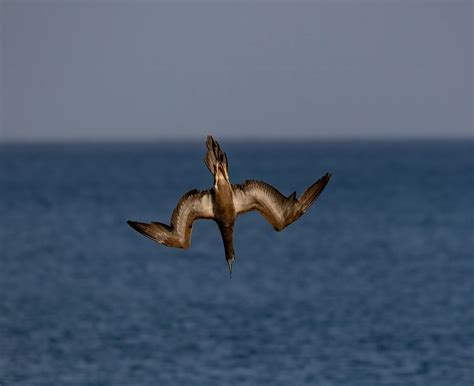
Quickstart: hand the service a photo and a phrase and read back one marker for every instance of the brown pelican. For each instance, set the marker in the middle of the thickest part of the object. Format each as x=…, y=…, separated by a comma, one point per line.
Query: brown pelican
x=224, y=202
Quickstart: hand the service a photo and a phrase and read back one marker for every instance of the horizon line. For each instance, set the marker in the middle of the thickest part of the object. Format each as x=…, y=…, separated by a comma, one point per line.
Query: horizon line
x=247, y=139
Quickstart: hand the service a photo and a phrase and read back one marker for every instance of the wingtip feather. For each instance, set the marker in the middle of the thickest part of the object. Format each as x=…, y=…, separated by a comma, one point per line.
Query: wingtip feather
x=136, y=225
x=310, y=195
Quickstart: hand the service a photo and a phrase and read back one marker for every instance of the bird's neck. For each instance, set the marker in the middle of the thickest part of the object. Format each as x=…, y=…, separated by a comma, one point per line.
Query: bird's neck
x=227, y=232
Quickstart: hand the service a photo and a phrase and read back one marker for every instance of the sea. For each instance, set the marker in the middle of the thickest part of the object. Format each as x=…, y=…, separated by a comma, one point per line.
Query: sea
x=373, y=286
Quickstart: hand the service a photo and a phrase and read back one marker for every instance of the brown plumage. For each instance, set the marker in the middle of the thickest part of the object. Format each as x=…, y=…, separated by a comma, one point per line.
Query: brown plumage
x=224, y=202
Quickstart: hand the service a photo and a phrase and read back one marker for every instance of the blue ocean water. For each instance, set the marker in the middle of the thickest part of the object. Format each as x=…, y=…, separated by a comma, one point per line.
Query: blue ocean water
x=373, y=286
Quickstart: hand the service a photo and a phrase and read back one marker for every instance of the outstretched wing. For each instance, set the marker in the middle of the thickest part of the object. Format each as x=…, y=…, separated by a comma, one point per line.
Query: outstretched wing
x=278, y=210
x=192, y=206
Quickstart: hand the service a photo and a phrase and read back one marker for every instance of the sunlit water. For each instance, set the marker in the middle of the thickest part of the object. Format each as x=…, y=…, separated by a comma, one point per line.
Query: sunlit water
x=373, y=286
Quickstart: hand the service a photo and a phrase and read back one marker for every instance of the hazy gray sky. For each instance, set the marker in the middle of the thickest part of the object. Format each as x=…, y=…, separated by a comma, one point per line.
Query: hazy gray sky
x=117, y=70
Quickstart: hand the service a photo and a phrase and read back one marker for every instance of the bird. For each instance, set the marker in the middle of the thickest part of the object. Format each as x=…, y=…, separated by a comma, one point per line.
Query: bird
x=224, y=202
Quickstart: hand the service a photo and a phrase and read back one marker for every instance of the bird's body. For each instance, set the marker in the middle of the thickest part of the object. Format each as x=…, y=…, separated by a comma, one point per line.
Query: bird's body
x=224, y=202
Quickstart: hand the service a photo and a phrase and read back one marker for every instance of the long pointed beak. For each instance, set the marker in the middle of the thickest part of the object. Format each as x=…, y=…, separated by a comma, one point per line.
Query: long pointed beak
x=229, y=263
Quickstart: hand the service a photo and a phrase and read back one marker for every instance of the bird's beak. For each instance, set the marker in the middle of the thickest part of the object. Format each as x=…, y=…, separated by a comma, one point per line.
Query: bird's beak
x=230, y=262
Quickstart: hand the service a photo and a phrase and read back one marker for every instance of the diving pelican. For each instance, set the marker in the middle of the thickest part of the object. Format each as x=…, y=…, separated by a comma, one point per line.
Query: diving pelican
x=224, y=202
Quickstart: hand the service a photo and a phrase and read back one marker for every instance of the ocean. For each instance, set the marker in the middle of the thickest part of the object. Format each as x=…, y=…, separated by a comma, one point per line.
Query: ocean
x=373, y=286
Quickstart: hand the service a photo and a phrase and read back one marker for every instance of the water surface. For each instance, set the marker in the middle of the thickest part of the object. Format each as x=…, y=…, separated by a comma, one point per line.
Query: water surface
x=373, y=286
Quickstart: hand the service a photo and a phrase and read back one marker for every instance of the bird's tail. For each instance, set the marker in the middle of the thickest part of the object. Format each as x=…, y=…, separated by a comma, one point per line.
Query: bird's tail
x=310, y=195
x=215, y=157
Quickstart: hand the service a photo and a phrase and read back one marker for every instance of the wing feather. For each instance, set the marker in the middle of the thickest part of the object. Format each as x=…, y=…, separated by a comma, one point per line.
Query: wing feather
x=192, y=206
x=278, y=210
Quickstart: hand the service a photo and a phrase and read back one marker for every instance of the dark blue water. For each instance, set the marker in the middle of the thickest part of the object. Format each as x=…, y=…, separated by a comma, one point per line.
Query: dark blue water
x=373, y=286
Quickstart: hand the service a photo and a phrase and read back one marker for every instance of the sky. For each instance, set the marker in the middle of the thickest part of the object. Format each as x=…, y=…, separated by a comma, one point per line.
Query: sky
x=149, y=70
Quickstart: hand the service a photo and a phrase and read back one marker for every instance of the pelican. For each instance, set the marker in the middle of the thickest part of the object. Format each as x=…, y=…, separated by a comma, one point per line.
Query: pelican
x=224, y=202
